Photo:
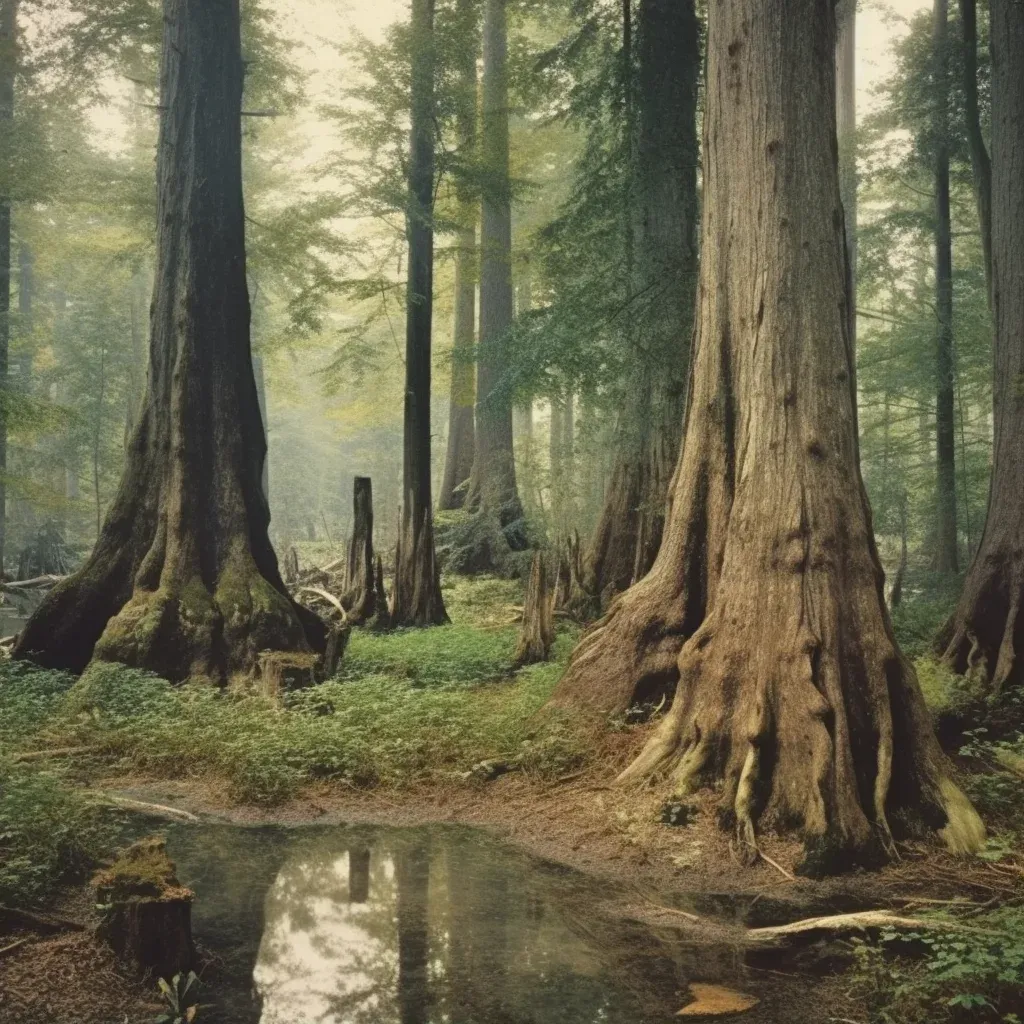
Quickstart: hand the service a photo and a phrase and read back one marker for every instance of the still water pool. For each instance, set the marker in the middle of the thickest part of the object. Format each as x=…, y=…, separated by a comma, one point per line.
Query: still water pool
x=435, y=925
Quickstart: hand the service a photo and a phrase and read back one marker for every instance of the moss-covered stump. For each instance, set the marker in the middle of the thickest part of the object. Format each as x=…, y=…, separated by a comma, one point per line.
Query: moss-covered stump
x=147, y=913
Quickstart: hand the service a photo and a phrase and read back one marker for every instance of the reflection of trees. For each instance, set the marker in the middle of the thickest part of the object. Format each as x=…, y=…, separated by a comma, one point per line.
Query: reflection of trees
x=358, y=874
x=413, y=872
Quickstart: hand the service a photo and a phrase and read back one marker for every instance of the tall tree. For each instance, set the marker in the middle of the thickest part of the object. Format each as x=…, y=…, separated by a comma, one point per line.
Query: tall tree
x=458, y=463
x=493, y=481
x=946, y=538
x=183, y=579
x=661, y=115
x=986, y=632
x=846, y=130
x=8, y=66
x=809, y=717
x=417, y=598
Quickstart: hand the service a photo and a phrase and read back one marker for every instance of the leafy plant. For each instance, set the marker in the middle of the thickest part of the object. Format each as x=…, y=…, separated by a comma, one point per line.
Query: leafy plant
x=181, y=999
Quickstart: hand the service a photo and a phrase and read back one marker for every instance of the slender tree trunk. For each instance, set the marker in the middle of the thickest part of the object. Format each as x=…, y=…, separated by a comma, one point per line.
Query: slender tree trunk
x=458, y=464
x=8, y=64
x=663, y=248
x=183, y=580
x=417, y=598
x=493, y=483
x=522, y=414
x=981, y=164
x=809, y=717
x=986, y=633
x=846, y=131
x=946, y=543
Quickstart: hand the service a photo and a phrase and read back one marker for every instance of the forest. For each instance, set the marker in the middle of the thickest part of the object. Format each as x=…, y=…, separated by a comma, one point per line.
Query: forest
x=511, y=511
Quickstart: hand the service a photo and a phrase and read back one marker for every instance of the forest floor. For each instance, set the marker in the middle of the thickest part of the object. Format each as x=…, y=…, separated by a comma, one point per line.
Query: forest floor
x=433, y=726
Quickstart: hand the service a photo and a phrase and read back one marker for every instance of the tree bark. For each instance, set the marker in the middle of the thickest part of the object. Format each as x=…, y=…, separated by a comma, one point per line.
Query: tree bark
x=493, y=482
x=986, y=632
x=537, y=633
x=947, y=557
x=8, y=65
x=846, y=132
x=360, y=597
x=183, y=580
x=417, y=599
x=981, y=164
x=764, y=611
x=662, y=231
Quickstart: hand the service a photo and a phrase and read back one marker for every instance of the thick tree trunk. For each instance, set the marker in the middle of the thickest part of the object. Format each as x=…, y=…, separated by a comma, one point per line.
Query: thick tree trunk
x=986, y=633
x=417, y=598
x=458, y=463
x=846, y=131
x=809, y=717
x=8, y=64
x=946, y=538
x=360, y=597
x=183, y=579
x=981, y=164
x=493, y=482
x=663, y=197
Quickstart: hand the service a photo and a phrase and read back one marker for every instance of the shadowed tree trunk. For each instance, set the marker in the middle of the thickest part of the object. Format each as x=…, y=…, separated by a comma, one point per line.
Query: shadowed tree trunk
x=981, y=164
x=458, y=464
x=417, y=598
x=663, y=222
x=8, y=64
x=986, y=633
x=183, y=580
x=360, y=598
x=946, y=547
x=493, y=481
x=809, y=717
x=846, y=132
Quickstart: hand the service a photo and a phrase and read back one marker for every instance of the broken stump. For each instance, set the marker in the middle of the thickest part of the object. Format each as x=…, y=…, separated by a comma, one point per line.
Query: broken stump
x=147, y=913
x=537, y=633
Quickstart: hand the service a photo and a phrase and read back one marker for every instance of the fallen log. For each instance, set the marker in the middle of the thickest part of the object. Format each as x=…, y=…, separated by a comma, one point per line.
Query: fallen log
x=863, y=921
x=142, y=807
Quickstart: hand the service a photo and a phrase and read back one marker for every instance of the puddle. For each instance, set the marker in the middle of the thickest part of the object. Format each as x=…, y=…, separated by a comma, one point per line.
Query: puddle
x=435, y=925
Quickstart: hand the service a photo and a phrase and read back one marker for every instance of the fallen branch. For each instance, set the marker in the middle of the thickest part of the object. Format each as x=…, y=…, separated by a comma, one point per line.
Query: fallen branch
x=155, y=810
x=320, y=592
x=668, y=910
x=866, y=920
x=13, y=946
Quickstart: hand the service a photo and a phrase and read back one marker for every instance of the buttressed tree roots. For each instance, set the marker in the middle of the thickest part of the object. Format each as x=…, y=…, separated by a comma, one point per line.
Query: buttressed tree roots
x=183, y=580
x=764, y=610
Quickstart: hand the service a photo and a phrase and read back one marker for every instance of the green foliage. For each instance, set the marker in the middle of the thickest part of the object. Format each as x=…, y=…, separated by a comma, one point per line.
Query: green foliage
x=28, y=697
x=180, y=996
x=49, y=835
x=944, y=691
x=975, y=976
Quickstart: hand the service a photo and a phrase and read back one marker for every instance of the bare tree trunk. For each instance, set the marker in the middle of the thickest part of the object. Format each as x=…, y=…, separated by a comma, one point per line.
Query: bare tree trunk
x=946, y=537
x=360, y=597
x=537, y=633
x=809, y=718
x=986, y=632
x=183, y=580
x=8, y=64
x=663, y=199
x=417, y=599
x=981, y=164
x=493, y=482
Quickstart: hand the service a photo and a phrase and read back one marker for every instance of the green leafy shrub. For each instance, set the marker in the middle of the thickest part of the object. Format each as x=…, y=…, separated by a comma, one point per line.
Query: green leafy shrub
x=48, y=835
x=29, y=696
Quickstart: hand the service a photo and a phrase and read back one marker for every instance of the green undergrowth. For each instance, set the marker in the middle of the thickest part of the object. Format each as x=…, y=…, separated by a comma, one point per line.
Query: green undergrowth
x=409, y=708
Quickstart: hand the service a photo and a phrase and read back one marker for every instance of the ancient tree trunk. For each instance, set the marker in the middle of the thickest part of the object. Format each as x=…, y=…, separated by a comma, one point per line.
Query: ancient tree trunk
x=417, y=599
x=808, y=716
x=493, y=482
x=183, y=579
x=981, y=164
x=846, y=131
x=8, y=63
x=946, y=546
x=537, y=633
x=986, y=633
x=663, y=220
x=360, y=597
x=458, y=463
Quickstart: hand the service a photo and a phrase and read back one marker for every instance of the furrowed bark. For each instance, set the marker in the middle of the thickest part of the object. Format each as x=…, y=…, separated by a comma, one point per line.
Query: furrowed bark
x=417, y=598
x=846, y=131
x=183, y=580
x=985, y=635
x=764, y=610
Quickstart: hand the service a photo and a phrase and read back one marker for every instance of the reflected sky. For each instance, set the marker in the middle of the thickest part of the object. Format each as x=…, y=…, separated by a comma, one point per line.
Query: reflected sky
x=427, y=926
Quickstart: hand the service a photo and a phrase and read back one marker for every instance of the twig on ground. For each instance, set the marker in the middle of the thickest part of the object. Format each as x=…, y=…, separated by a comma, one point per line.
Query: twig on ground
x=668, y=910
x=142, y=807
x=13, y=946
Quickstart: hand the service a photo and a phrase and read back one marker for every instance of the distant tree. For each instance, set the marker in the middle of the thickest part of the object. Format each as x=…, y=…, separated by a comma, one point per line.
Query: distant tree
x=183, y=580
x=985, y=635
x=764, y=613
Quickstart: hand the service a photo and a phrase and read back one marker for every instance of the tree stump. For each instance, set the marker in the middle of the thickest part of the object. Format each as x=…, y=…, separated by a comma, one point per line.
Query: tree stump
x=537, y=633
x=360, y=593
x=337, y=641
x=147, y=913
x=280, y=671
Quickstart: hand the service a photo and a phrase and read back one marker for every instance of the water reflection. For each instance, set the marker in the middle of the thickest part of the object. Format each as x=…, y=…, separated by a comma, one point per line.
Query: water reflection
x=427, y=926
